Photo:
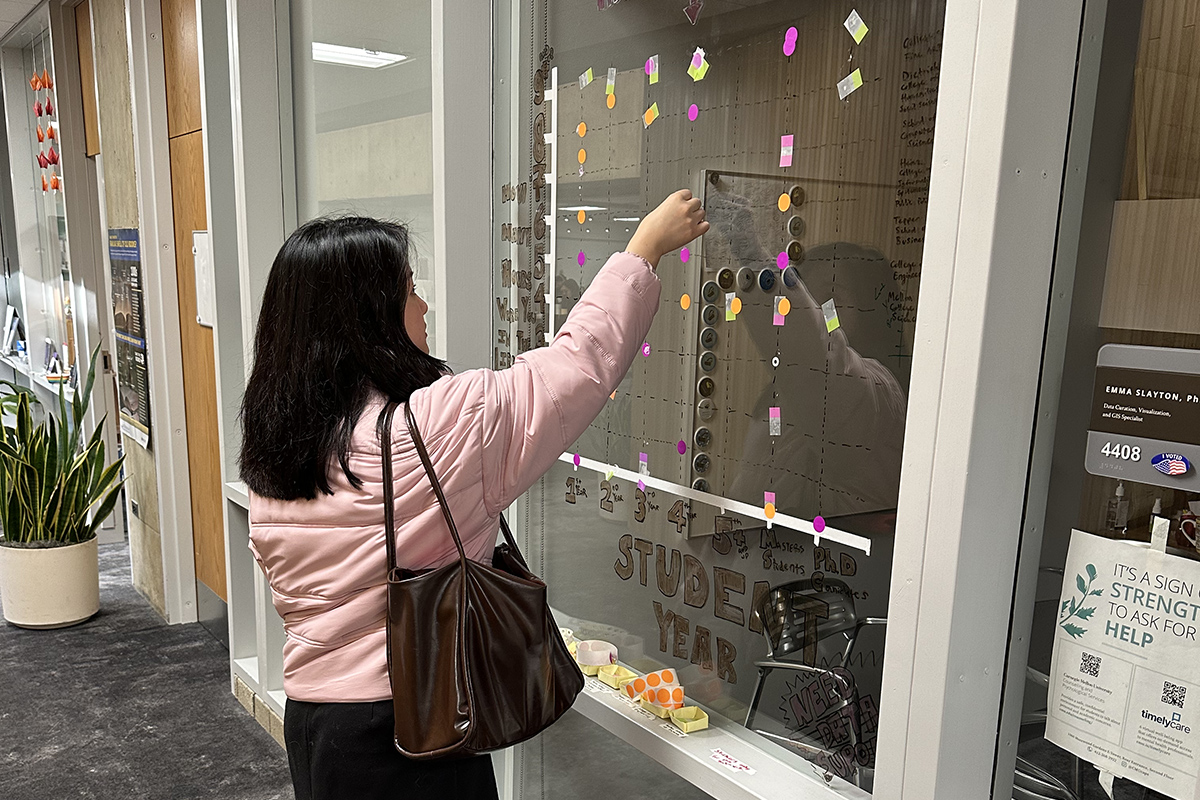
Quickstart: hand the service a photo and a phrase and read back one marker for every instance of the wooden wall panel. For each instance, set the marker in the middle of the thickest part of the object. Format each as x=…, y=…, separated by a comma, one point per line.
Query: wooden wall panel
x=181, y=59
x=199, y=367
x=87, y=77
x=115, y=113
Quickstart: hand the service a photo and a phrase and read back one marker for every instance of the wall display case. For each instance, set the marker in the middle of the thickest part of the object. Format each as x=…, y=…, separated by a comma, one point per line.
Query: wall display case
x=43, y=345
x=731, y=513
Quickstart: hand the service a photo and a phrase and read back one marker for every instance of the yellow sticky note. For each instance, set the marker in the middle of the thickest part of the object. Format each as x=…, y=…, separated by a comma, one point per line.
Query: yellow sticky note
x=858, y=29
x=831, y=316
x=650, y=115
x=848, y=84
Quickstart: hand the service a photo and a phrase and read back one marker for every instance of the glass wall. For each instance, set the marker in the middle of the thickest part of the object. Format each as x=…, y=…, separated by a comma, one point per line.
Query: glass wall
x=363, y=100
x=1107, y=694
x=730, y=516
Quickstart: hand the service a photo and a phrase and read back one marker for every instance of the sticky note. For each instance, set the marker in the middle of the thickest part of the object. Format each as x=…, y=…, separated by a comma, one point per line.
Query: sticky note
x=733, y=305
x=858, y=29
x=699, y=66
x=693, y=112
x=785, y=150
x=650, y=115
x=769, y=505
x=693, y=9
x=681, y=447
x=685, y=302
x=611, y=100
x=608, y=475
x=768, y=497
x=848, y=84
x=581, y=129
x=785, y=201
x=831, y=315
x=643, y=464
x=642, y=485
x=782, y=307
x=789, y=41
x=774, y=421
x=611, y=86
x=652, y=68
x=585, y=78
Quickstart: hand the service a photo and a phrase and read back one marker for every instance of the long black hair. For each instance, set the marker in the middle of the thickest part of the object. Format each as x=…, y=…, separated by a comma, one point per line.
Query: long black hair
x=331, y=330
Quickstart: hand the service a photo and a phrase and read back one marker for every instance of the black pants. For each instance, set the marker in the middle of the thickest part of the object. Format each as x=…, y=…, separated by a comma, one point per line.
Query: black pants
x=344, y=751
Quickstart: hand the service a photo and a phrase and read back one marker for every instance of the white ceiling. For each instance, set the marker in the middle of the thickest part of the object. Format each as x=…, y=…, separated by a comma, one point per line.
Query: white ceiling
x=13, y=11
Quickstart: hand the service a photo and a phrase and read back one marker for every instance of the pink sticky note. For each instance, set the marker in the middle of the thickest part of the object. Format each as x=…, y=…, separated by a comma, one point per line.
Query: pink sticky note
x=642, y=485
x=781, y=260
x=778, y=319
x=684, y=255
x=772, y=412
x=819, y=524
x=768, y=497
x=693, y=112
x=681, y=447
x=785, y=149
x=581, y=258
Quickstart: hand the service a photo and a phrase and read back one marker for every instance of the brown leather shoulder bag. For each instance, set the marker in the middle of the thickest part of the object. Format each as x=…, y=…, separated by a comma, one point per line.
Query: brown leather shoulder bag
x=474, y=655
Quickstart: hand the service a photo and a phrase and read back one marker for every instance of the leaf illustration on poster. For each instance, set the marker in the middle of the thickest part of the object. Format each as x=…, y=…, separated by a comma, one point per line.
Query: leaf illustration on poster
x=1075, y=609
x=133, y=382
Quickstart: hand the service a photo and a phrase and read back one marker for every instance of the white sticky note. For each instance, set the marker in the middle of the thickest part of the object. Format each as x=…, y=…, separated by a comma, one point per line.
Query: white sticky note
x=1159, y=528
x=774, y=421
x=611, y=86
x=585, y=78
x=848, y=84
x=831, y=316
x=858, y=29
x=786, y=145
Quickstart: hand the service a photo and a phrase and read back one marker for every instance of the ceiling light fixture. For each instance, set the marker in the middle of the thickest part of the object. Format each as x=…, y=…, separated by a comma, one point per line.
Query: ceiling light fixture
x=354, y=56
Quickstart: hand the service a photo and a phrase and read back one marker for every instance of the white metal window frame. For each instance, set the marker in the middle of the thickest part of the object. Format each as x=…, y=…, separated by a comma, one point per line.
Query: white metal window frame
x=1008, y=77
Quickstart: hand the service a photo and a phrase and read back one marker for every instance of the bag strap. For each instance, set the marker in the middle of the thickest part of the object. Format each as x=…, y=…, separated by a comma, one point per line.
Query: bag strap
x=433, y=479
x=389, y=501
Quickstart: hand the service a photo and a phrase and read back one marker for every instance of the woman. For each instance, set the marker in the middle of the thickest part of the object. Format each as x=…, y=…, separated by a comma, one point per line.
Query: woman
x=341, y=331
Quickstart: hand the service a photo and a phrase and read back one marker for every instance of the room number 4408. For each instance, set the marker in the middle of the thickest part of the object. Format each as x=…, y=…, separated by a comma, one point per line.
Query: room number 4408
x=1121, y=451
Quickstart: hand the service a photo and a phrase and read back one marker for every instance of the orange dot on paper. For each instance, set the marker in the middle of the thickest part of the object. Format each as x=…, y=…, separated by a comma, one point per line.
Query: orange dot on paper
x=664, y=696
x=735, y=305
x=581, y=129
x=677, y=695
x=612, y=100
x=582, y=215
x=685, y=302
x=785, y=306
x=668, y=676
x=785, y=199
x=653, y=679
x=582, y=155
x=769, y=510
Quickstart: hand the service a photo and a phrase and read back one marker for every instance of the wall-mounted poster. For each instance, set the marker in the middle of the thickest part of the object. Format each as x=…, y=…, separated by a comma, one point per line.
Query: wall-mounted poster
x=133, y=381
x=1124, y=678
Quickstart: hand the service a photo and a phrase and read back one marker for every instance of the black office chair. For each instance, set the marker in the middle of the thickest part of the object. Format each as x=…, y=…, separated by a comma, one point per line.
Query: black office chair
x=795, y=617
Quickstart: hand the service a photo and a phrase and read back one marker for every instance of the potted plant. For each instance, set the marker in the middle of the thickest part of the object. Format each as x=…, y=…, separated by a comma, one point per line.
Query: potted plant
x=55, y=490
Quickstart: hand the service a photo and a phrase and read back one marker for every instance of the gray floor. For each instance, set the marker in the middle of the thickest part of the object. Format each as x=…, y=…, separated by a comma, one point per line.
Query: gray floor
x=126, y=706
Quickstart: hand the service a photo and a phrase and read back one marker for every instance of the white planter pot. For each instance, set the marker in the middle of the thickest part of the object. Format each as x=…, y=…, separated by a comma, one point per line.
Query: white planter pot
x=50, y=587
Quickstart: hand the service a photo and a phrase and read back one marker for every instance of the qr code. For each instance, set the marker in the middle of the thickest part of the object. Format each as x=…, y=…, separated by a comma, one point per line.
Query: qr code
x=1090, y=665
x=1173, y=695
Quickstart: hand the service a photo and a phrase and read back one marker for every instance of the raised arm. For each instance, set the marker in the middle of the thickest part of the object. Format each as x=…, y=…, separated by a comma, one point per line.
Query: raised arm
x=535, y=409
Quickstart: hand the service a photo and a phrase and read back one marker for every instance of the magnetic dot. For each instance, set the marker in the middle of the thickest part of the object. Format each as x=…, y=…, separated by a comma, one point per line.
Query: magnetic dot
x=668, y=676
x=769, y=510
x=789, y=46
x=612, y=100
x=819, y=524
x=693, y=112
x=681, y=447
x=649, y=65
x=785, y=201
x=792, y=34
x=775, y=361
x=735, y=305
x=582, y=155
x=785, y=306
x=677, y=695
x=697, y=60
x=581, y=216
x=685, y=302
x=645, y=348
x=664, y=696
x=581, y=129
x=685, y=255
x=576, y=459
x=653, y=679
x=781, y=260
x=581, y=258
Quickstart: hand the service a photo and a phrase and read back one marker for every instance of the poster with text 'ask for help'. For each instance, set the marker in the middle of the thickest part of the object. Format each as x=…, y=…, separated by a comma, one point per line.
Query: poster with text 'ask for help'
x=1125, y=675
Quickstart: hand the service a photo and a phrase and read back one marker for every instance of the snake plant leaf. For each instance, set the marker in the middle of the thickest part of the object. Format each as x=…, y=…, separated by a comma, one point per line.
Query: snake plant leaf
x=54, y=456
x=105, y=508
x=106, y=479
x=82, y=401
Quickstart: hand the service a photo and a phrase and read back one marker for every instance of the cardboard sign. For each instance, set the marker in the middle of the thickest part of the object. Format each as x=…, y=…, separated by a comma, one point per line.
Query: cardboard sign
x=1125, y=683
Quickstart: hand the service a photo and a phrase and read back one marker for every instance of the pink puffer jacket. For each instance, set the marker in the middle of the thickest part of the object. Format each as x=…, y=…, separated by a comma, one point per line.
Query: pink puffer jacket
x=491, y=435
